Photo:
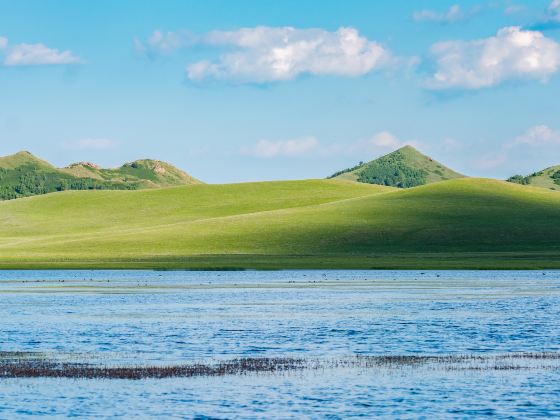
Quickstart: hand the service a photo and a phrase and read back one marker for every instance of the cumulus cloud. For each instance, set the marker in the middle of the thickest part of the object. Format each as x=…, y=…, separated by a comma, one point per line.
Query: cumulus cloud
x=38, y=55
x=513, y=54
x=287, y=148
x=537, y=136
x=3, y=42
x=452, y=15
x=266, y=54
x=92, y=144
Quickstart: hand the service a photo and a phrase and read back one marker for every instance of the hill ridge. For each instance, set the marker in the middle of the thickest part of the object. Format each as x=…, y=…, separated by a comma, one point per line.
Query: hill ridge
x=22, y=174
x=404, y=168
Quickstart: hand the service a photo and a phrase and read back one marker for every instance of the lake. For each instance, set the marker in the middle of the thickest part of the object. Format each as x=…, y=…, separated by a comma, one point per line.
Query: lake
x=472, y=342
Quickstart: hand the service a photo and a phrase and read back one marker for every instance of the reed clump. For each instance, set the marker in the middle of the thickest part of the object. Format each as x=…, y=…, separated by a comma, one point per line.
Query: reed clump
x=35, y=365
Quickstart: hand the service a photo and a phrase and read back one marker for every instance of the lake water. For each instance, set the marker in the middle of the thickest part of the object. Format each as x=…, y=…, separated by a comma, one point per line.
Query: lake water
x=131, y=318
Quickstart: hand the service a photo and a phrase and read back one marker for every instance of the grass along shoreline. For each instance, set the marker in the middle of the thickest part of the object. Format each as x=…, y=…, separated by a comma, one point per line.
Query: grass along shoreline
x=30, y=365
x=410, y=261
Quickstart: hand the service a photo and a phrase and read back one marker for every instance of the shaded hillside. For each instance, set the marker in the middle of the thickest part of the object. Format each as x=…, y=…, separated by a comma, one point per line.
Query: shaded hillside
x=403, y=168
x=23, y=175
x=329, y=223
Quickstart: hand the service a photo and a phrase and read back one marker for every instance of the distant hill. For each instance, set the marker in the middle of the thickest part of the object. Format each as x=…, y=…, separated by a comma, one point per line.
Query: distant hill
x=547, y=178
x=23, y=175
x=146, y=173
x=403, y=168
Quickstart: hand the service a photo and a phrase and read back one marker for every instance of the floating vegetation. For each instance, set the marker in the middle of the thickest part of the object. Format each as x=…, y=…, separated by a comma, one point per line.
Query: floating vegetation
x=37, y=365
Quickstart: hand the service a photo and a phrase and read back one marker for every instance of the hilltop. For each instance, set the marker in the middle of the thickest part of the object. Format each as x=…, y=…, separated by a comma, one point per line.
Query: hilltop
x=547, y=178
x=145, y=173
x=403, y=168
x=23, y=175
x=461, y=223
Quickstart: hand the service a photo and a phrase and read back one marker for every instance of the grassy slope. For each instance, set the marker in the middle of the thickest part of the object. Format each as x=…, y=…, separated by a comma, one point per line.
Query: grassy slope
x=24, y=158
x=544, y=179
x=319, y=223
x=435, y=171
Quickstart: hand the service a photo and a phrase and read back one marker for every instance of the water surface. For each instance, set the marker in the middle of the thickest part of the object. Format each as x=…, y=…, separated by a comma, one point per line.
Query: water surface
x=161, y=318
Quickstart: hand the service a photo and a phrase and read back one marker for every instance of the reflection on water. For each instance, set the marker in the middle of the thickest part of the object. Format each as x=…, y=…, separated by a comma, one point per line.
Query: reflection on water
x=132, y=318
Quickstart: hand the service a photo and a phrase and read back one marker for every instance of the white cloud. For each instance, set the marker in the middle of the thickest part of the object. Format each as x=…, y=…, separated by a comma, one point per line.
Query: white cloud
x=537, y=136
x=385, y=139
x=3, y=42
x=266, y=54
x=512, y=54
x=452, y=15
x=161, y=43
x=290, y=148
x=38, y=55
x=535, y=149
x=554, y=10
x=381, y=142
x=92, y=144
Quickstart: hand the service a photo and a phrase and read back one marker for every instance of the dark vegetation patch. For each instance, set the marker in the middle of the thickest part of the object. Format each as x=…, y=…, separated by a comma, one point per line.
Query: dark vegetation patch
x=28, y=180
x=29, y=365
x=519, y=179
x=526, y=180
x=556, y=177
x=393, y=171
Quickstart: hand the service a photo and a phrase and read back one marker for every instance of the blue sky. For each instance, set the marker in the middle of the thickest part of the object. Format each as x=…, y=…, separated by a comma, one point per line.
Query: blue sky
x=256, y=90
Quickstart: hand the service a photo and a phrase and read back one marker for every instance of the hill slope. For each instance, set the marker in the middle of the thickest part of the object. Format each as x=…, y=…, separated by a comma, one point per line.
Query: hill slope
x=403, y=168
x=23, y=175
x=460, y=223
x=547, y=178
x=146, y=173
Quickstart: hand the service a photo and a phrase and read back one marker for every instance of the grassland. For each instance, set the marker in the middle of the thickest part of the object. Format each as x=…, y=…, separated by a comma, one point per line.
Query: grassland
x=462, y=223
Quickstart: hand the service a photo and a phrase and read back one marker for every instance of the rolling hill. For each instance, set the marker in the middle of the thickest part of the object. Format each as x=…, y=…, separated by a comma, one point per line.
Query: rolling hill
x=462, y=223
x=23, y=175
x=403, y=168
x=547, y=178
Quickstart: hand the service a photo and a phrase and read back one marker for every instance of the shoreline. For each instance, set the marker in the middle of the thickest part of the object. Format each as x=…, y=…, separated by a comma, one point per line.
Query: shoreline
x=248, y=262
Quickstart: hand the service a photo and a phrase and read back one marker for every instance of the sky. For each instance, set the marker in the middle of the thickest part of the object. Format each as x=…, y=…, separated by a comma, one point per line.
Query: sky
x=235, y=90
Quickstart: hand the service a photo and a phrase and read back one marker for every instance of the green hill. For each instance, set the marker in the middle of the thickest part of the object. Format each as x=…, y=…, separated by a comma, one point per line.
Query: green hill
x=547, y=178
x=461, y=223
x=403, y=168
x=145, y=173
x=23, y=175
x=23, y=158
